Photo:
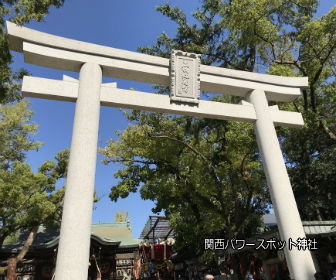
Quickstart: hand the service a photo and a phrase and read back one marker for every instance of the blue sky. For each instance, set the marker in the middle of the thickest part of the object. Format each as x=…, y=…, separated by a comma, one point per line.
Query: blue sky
x=124, y=24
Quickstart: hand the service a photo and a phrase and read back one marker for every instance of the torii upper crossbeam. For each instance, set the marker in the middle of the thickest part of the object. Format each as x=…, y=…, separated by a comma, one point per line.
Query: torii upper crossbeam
x=94, y=61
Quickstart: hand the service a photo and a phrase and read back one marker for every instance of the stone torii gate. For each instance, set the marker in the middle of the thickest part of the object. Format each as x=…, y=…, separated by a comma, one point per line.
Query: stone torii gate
x=186, y=77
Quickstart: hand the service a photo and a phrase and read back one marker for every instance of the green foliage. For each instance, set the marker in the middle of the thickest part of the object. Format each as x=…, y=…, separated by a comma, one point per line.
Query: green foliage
x=23, y=11
x=310, y=153
x=25, y=196
x=282, y=38
x=206, y=174
x=16, y=131
x=30, y=199
x=27, y=199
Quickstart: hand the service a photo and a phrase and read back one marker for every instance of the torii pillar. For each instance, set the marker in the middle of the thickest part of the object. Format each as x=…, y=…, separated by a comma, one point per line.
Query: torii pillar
x=301, y=265
x=78, y=198
x=186, y=77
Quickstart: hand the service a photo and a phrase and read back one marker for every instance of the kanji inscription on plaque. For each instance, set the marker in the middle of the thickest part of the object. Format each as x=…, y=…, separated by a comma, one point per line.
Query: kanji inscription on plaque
x=185, y=77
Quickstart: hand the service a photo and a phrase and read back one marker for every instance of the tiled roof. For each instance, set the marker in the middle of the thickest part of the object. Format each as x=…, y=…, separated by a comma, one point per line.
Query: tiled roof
x=109, y=234
x=117, y=231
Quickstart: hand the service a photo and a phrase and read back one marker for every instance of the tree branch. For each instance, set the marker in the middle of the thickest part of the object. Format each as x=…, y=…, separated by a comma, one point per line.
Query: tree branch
x=327, y=130
x=182, y=142
x=29, y=241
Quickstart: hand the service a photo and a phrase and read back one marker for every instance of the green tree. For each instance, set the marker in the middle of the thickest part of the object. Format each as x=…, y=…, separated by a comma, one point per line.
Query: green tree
x=16, y=133
x=34, y=195
x=27, y=199
x=30, y=200
x=206, y=174
x=16, y=130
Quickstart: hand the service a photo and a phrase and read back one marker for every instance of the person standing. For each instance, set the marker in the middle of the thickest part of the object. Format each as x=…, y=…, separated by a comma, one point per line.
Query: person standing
x=137, y=267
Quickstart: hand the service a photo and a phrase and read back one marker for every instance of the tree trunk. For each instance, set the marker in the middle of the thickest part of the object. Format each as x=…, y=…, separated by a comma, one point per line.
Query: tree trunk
x=2, y=239
x=12, y=262
x=11, y=269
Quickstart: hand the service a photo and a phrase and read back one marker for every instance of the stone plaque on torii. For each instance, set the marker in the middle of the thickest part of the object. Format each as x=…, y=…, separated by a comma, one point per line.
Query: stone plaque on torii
x=187, y=77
